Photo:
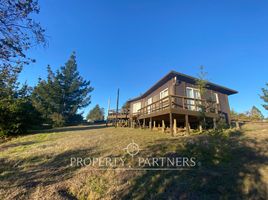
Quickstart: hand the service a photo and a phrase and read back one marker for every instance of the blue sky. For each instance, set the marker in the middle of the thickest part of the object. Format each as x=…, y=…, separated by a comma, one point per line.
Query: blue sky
x=130, y=44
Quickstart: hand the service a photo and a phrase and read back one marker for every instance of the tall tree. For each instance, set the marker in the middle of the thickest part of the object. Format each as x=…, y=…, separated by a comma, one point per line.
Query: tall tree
x=264, y=97
x=18, y=31
x=97, y=113
x=63, y=93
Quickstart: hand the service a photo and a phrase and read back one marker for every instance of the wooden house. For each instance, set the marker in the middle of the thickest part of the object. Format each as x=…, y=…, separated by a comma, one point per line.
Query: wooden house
x=176, y=101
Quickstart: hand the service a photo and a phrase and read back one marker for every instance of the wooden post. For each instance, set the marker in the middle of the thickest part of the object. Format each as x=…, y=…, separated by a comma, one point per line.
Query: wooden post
x=150, y=124
x=163, y=126
x=187, y=124
x=214, y=123
x=154, y=125
x=171, y=123
x=200, y=127
x=117, y=103
x=175, y=127
x=143, y=125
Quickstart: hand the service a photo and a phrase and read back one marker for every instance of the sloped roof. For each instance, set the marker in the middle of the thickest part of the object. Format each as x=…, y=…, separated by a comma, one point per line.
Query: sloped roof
x=187, y=78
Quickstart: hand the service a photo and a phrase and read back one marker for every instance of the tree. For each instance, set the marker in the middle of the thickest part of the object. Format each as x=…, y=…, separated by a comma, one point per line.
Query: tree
x=63, y=94
x=201, y=83
x=126, y=106
x=264, y=97
x=18, y=31
x=256, y=114
x=96, y=114
x=17, y=113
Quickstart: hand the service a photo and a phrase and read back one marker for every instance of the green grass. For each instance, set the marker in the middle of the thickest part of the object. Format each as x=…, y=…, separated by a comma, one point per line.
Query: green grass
x=232, y=165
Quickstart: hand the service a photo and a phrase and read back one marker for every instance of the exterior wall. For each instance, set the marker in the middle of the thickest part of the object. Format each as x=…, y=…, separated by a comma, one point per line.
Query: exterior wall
x=155, y=95
x=180, y=89
x=223, y=98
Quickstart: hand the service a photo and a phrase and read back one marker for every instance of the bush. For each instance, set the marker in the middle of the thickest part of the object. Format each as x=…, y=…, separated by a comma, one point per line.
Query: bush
x=17, y=116
x=221, y=124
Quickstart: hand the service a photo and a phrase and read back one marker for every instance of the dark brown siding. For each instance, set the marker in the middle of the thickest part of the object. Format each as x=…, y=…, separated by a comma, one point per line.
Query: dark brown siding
x=180, y=89
x=223, y=98
x=155, y=94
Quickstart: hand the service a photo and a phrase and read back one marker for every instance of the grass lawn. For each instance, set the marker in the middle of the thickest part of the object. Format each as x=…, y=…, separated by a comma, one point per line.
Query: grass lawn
x=232, y=165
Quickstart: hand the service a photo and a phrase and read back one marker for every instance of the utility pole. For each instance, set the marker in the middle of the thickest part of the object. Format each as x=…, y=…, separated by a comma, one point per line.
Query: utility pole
x=109, y=102
x=117, y=102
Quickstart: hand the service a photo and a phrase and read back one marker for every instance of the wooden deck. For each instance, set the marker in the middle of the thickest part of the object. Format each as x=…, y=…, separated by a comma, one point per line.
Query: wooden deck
x=121, y=114
x=175, y=104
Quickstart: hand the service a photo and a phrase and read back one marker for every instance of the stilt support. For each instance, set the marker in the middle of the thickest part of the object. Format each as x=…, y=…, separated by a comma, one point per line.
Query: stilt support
x=214, y=123
x=187, y=124
x=171, y=123
x=200, y=127
x=175, y=127
x=143, y=125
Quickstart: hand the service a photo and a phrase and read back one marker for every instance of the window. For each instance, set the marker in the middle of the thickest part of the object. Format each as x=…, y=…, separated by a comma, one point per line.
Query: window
x=149, y=102
x=164, y=93
x=136, y=107
x=193, y=94
x=216, y=98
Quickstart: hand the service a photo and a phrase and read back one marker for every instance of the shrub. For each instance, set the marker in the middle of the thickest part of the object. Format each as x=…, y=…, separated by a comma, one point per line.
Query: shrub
x=17, y=116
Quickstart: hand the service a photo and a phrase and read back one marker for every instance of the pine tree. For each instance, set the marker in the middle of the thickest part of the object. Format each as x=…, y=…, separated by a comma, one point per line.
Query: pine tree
x=75, y=89
x=264, y=97
x=60, y=97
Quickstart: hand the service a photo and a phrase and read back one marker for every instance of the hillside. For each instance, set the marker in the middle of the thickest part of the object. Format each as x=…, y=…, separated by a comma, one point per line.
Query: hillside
x=232, y=164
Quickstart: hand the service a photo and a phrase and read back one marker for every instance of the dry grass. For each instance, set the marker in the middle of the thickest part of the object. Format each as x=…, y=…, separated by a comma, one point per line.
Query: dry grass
x=37, y=166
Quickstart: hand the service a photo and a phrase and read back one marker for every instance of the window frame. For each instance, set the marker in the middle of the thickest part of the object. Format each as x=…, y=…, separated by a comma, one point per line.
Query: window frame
x=162, y=92
x=217, y=98
x=135, y=105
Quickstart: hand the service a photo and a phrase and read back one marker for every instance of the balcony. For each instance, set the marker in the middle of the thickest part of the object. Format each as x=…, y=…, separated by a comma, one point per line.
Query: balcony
x=179, y=105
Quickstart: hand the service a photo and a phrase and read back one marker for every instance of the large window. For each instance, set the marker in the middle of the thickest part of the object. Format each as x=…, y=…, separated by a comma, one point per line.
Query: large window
x=164, y=93
x=136, y=107
x=193, y=93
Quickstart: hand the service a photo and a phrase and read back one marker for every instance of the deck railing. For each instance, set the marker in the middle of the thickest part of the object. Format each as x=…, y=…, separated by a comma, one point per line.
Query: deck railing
x=120, y=112
x=179, y=102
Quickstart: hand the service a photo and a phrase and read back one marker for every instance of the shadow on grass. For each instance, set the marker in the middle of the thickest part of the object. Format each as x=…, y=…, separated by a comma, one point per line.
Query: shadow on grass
x=6, y=146
x=27, y=174
x=229, y=170
x=70, y=128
